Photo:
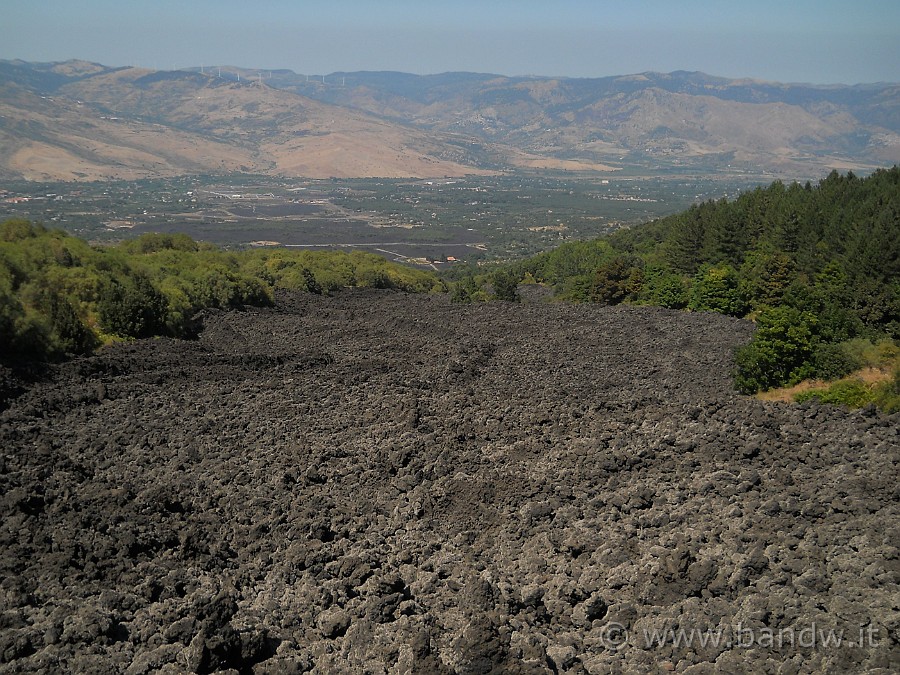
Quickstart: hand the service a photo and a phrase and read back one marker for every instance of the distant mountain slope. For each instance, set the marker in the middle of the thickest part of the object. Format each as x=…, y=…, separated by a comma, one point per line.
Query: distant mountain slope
x=671, y=119
x=95, y=126
x=57, y=138
x=294, y=134
x=84, y=120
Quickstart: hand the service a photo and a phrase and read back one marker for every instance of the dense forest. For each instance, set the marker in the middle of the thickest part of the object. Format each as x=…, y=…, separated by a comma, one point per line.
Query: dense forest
x=817, y=267
x=59, y=295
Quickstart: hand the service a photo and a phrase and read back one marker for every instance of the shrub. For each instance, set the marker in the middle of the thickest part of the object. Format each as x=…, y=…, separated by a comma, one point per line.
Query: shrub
x=218, y=286
x=868, y=353
x=70, y=334
x=716, y=289
x=617, y=280
x=464, y=290
x=373, y=277
x=576, y=288
x=153, y=242
x=832, y=361
x=838, y=324
x=887, y=395
x=310, y=283
x=666, y=290
x=17, y=229
x=851, y=393
x=505, y=286
x=12, y=315
x=779, y=353
x=133, y=307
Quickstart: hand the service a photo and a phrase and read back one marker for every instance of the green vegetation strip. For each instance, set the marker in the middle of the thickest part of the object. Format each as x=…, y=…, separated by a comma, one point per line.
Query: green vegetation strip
x=59, y=295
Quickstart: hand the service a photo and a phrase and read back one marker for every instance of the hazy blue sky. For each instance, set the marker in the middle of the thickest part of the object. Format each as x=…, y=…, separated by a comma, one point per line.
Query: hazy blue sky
x=821, y=41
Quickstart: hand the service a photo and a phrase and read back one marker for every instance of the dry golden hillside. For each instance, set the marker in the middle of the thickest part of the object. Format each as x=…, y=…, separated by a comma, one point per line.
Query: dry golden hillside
x=136, y=123
x=81, y=120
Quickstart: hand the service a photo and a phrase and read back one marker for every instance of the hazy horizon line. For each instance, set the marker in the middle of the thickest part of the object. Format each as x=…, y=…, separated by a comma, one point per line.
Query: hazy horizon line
x=525, y=76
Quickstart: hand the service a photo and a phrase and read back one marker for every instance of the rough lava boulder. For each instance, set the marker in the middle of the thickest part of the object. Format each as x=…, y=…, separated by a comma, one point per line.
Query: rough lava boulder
x=383, y=483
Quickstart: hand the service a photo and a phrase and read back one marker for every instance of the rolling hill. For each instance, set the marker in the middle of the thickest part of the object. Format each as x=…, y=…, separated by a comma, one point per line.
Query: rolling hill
x=130, y=123
x=79, y=120
x=649, y=120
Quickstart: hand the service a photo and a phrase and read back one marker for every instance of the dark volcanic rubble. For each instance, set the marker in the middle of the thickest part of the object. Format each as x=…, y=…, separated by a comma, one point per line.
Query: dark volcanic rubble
x=377, y=482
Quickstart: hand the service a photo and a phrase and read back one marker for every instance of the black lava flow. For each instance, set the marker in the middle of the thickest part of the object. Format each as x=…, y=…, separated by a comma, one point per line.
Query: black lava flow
x=384, y=483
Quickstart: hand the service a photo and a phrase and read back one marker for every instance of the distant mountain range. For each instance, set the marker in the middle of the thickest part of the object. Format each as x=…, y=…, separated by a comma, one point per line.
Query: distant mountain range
x=83, y=121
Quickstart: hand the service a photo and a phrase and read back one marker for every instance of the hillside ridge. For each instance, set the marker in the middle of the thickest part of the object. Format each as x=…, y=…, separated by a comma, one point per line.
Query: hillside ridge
x=388, y=124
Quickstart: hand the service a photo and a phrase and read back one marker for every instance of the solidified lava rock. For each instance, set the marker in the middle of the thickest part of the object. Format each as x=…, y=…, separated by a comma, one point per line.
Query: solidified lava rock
x=376, y=482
